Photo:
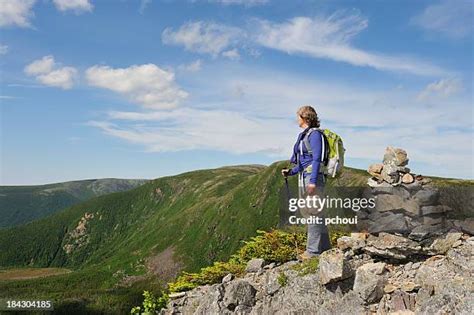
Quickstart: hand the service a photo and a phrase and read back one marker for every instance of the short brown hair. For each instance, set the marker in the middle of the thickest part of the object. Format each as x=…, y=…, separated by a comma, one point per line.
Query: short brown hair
x=308, y=114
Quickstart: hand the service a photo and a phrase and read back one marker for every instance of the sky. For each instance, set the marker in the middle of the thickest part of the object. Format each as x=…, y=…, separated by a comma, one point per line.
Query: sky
x=151, y=88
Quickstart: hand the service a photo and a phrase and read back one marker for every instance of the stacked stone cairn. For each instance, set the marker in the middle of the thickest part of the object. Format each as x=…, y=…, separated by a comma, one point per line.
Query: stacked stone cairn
x=405, y=203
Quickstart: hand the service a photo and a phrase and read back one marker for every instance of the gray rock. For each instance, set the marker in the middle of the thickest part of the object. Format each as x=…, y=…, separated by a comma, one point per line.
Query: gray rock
x=229, y=277
x=390, y=222
x=347, y=242
x=388, y=202
x=239, y=292
x=427, y=196
x=422, y=232
x=375, y=184
x=442, y=245
x=255, y=265
x=433, y=219
x=370, y=281
x=333, y=266
x=177, y=295
x=392, y=246
x=466, y=225
x=425, y=210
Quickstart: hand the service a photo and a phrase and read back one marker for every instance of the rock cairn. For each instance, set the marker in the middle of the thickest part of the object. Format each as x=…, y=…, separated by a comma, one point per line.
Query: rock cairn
x=405, y=203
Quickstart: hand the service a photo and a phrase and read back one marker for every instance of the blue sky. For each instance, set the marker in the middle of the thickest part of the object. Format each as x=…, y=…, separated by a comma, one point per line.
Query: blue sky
x=143, y=89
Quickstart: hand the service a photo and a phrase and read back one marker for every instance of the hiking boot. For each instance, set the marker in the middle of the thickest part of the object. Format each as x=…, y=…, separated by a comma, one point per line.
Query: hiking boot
x=306, y=256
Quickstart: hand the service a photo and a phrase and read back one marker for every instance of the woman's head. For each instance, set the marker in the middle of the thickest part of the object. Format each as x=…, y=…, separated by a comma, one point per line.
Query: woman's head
x=307, y=117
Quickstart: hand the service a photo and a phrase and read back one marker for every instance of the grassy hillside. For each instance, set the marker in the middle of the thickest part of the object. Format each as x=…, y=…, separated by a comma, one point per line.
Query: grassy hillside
x=119, y=244
x=22, y=204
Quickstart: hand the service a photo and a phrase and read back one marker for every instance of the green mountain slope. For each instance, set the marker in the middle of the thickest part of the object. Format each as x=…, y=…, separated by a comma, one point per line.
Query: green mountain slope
x=121, y=243
x=22, y=204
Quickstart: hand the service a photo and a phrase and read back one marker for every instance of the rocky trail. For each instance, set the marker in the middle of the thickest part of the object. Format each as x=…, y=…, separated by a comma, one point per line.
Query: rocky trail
x=364, y=274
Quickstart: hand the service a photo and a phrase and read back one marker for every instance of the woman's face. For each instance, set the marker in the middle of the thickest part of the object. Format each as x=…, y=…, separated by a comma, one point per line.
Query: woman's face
x=301, y=122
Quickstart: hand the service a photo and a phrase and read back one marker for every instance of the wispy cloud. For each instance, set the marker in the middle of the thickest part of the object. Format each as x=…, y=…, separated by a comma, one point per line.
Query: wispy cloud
x=323, y=37
x=203, y=37
x=48, y=72
x=256, y=109
x=77, y=6
x=147, y=85
x=441, y=88
x=452, y=19
x=330, y=38
x=16, y=13
x=194, y=66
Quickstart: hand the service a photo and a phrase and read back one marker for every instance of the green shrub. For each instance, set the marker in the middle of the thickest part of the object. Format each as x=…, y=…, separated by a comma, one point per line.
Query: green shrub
x=274, y=246
x=282, y=279
x=151, y=304
x=207, y=275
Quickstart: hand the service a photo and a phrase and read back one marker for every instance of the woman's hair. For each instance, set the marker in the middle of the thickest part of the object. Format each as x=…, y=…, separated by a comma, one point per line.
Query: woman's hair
x=308, y=114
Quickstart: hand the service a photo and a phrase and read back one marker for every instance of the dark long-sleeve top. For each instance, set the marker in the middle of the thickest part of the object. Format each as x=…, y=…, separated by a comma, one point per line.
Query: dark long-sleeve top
x=306, y=158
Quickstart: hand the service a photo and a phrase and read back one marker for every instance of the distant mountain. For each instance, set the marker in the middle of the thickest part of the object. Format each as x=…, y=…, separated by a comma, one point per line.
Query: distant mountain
x=22, y=204
x=121, y=243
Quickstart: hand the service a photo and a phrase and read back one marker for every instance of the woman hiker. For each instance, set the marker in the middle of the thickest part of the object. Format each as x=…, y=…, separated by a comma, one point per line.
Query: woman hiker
x=311, y=179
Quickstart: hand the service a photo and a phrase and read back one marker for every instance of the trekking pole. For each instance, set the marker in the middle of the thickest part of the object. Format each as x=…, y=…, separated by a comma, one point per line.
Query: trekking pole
x=287, y=188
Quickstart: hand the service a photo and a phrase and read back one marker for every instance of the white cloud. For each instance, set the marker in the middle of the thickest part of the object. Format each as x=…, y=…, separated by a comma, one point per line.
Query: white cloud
x=443, y=88
x=319, y=37
x=147, y=85
x=256, y=109
x=194, y=66
x=40, y=66
x=187, y=129
x=452, y=19
x=16, y=13
x=232, y=54
x=78, y=6
x=330, y=38
x=203, y=37
x=3, y=49
x=48, y=72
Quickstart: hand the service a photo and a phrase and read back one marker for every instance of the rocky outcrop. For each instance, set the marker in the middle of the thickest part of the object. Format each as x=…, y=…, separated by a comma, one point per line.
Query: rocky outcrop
x=365, y=274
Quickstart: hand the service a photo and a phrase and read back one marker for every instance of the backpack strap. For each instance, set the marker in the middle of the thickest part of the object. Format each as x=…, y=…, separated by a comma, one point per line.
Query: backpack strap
x=324, y=143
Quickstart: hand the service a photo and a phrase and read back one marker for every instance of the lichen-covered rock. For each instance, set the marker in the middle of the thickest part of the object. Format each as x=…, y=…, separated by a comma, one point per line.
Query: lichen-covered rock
x=392, y=246
x=370, y=281
x=255, y=265
x=239, y=293
x=333, y=266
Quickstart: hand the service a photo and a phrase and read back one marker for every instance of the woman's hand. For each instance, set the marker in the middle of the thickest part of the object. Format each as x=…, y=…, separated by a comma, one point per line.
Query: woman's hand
x=285, y=172
x=311, y=189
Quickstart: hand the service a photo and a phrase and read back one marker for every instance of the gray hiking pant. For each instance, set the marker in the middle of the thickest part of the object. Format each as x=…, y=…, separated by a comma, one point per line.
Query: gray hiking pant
x=318, y=234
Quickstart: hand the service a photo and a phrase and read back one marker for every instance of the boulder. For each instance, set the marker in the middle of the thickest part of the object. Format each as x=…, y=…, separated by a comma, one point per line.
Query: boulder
x=370, y=281
x=333, y=266
x=255, y=265
x=239, y=292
